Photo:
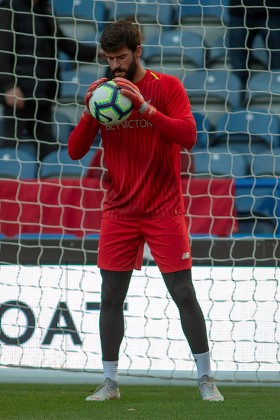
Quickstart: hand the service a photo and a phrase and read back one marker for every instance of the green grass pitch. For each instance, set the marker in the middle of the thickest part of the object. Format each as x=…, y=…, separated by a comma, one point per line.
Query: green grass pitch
x=40, y=401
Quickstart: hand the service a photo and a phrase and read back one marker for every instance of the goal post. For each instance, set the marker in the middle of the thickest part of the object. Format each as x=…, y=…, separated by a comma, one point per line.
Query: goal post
x=49, y=225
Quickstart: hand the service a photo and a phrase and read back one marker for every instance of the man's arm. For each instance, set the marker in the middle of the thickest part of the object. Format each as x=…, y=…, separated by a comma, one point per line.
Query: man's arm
x=179, y=124
x=180, y=131
x=77, y=50
x=81, y=138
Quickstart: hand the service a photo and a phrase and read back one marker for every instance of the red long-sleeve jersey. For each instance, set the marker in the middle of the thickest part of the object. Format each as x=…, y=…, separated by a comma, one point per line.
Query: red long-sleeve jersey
x=143, y=157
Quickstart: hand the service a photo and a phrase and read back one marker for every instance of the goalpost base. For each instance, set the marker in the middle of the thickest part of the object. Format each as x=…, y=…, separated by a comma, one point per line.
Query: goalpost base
x=53, y=376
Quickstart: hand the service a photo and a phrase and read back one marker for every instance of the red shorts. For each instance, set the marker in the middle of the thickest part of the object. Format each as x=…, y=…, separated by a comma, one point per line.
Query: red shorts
x=121, y=243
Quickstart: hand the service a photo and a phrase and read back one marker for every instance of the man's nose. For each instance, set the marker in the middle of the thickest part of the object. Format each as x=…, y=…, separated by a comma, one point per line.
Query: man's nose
x=115, y=64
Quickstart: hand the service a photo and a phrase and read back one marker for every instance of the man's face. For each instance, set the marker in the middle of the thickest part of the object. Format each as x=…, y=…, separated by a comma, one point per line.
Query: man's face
x=122, y=63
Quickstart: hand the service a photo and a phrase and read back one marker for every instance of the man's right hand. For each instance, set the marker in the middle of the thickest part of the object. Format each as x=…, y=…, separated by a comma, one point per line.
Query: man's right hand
x=15, y=97
x=92, y=88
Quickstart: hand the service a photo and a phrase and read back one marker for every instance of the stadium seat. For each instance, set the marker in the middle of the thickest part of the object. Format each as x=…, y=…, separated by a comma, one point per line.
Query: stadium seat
x=58, y=164
x=259, y=58
x=80, y=9
x=79, y=29
x=98, y=67
x=80, y=18
x=218, y=57
x=258, y=206
x=74, y=84
x=214, y=89
x=17, y=163
x=175, y=46
x=248, y=133
x=201, y=12
x=160, y=12
x=266, y=165
x=65, y=62
x=264, y=90
x=152, y=16
x=219, y=162
x=62, y=127
x=72, y=111
x=203, y=127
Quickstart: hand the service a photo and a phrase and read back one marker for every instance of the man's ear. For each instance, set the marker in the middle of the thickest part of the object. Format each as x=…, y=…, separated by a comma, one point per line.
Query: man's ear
x=138, y=51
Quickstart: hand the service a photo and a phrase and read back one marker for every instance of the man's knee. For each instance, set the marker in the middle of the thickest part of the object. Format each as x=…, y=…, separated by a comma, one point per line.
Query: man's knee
x=180, y=287
x=111, y=298
x=114, y=289
x=185, y=294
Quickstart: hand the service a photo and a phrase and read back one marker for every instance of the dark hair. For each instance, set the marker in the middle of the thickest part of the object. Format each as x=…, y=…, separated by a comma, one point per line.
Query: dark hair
x=119, y=35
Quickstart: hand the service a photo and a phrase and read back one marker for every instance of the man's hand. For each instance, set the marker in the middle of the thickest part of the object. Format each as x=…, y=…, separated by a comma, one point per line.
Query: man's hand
x=92, y=88
x=15, y=96
x=132, y=92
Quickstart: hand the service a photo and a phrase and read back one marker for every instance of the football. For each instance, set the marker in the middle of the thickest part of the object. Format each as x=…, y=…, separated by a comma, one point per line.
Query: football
x=108, y=105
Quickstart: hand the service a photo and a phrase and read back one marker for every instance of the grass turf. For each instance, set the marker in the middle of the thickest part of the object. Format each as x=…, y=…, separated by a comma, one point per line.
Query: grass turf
x=31, y=401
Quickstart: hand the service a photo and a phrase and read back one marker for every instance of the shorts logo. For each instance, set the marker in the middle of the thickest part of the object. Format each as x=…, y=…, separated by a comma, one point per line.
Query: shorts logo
x=185, y=255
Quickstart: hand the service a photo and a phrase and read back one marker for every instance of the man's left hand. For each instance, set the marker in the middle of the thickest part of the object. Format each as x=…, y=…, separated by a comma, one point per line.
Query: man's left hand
x=132, y=92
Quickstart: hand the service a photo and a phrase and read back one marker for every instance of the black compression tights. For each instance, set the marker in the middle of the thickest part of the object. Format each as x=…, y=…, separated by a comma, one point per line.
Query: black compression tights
x=181, y=289
x=179, y=284
x=113, y=292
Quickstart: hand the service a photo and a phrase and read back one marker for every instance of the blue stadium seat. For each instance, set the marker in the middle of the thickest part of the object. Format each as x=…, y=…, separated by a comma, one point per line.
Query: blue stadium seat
x=218, y=53
x=218, y=56
x=259, y=54
x=80, y=9
x=257, y=204
x=203, y=12
x=184, y=48
x=213, y=89
x=203, y=127
x=65, y=63
x=72, y=111
x=218, y=162
x=248, y=132
x=62, y=127
x=266, y=165
x=58, y=164
x=80, y=17
x=160, y=12
x=264, y=90
x=74, y=84
x=17, y=163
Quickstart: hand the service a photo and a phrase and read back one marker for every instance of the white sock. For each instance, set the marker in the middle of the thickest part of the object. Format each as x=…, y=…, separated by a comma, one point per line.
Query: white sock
x=202, y=361
x=110, y=370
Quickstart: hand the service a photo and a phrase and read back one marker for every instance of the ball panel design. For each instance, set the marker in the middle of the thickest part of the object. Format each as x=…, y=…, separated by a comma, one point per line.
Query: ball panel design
x=108, y=105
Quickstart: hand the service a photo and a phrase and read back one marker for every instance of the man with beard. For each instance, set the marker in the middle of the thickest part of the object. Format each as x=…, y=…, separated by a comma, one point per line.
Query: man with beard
x=30, y=41
x=144, y=201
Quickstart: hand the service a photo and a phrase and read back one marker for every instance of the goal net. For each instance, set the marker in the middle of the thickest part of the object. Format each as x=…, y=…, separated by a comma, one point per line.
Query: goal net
x=49, y=319
x=50, y=209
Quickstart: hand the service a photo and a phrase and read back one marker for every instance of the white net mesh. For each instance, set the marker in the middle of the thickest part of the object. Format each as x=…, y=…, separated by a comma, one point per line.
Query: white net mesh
x=49, y=319
x=50, y=208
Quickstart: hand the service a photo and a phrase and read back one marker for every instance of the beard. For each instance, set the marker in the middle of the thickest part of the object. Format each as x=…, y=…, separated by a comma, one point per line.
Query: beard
x=129, y=73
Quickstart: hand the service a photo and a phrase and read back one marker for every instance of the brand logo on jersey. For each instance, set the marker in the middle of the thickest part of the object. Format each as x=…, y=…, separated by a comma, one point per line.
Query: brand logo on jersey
x=185, y=255
x=130, y=124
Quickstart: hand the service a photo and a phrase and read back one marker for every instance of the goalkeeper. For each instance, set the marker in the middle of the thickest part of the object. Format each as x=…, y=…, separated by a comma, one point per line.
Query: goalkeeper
x=144, y=201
